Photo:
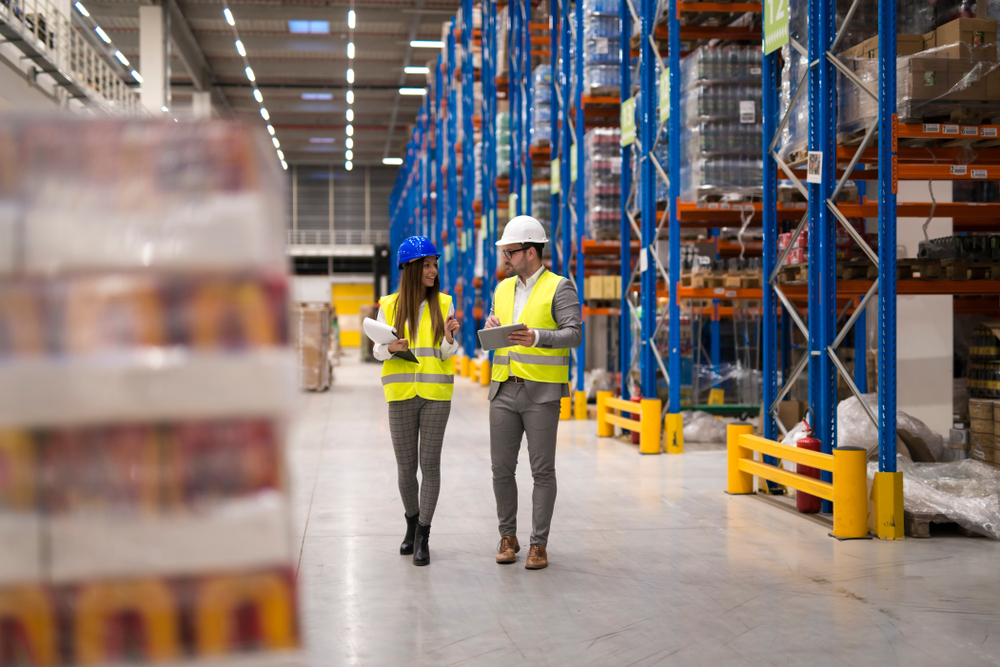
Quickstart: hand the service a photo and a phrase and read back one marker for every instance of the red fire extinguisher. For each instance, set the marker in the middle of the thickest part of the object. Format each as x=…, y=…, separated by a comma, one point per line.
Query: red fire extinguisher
x=804, y=502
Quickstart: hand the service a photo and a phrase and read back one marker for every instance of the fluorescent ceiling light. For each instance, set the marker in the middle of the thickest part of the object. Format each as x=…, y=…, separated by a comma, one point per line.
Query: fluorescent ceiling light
x=350, y=75
x=348, y=142
x=417, y=70
x=412, y=91
x=136, y=76
x=317, y=96
x=321, y=140
x=164, y=108
x=281, y=156
x=103, y=35
x=257, y=96
x=250, y=73
x=264, y=114
x=350, y=97
x=121, y=57
x=348, y=155
x=270, y=128
x=350, y=115
x=274, y=140
x=349, y=130
x=426, y=44
x=80, y=8
x=348, y=166
x=392, y=161
x=284, y=165
x=350, y=50
x=229, y=16
x=239, y=47
x=309, y=27
x=351, y=19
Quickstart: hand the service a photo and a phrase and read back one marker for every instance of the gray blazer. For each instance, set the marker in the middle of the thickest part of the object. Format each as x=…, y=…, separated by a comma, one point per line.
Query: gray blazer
x=566, y=313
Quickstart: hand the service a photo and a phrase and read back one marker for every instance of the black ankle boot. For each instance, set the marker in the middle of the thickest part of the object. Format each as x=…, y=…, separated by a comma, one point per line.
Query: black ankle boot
x=406, y=548
x=421, y=549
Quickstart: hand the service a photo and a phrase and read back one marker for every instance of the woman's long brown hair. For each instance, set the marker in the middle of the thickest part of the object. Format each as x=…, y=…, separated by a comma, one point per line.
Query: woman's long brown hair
x=411, y=293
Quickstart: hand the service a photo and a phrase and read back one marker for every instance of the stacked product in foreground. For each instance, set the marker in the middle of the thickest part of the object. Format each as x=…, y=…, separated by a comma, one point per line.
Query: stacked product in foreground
x=503, y=143
x=541, y=111
x=602, y=216
x=721, y=117
x=145, y=381
x=601, y=48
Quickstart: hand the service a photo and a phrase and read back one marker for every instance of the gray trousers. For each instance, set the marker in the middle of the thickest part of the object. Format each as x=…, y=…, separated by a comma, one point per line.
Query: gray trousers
x=512, y=415
x=417, y=429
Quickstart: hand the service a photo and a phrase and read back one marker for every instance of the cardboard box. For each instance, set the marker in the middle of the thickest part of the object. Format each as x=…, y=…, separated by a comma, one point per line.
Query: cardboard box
x=906, y=45
x=311, y=333
x=982, y=439
x=959, y=436
x=930, y=40
x=996, y=411
x=981, y=409
x=981, y=426
x=923, y=78
x=980, y=35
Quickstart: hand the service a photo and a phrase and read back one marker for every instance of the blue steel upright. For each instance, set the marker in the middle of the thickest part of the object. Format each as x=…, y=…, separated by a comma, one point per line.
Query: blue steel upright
x=514, y=106
x=451, y=159
x=489, y=126
x=567, y=140
x=581, y=352
x=647, y=193
x=769, y=315
x=674, y=262
x=527, y=79
x=440, y=234
x=469, y=323
x=555, y=24
x=625, y=258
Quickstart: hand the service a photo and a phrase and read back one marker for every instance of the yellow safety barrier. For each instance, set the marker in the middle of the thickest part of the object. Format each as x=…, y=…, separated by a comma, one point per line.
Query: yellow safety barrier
x=580, y=405
x=565, y=408
x=648, y=425
x=485, y=373
x=474, y=371
x=848, y=491
x=466, y=367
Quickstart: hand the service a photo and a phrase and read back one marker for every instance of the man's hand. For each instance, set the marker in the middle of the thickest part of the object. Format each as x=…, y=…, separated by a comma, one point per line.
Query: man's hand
x=492, y=321
x=524, y=337
x=399, y=345
x=451, y=327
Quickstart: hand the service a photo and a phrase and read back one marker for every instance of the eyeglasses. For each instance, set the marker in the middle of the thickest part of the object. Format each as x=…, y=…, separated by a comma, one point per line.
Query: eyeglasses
x=508, y=254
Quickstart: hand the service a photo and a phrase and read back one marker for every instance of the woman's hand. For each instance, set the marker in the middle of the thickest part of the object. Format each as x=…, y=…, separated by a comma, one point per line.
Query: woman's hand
x=451, y=327
x=492, y=321
x=399, y=345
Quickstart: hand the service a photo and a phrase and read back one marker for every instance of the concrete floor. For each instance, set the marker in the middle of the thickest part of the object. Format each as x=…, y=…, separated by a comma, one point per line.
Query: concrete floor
x=650, y=562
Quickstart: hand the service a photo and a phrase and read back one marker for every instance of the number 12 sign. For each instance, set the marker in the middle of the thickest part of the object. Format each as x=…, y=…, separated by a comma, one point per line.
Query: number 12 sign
x=775, y=25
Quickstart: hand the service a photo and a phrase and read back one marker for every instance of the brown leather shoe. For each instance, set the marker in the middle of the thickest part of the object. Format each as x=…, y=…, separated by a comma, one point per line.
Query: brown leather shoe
x=508, y=547
x=537, y=558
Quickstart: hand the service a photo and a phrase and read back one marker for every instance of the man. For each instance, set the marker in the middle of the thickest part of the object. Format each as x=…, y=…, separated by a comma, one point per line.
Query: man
x=529, y=379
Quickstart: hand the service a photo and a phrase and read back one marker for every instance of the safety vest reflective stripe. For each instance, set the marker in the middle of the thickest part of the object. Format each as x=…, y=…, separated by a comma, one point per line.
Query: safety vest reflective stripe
x=500, y=360
x=426, y=352
x=541, y=359
x=433, y=378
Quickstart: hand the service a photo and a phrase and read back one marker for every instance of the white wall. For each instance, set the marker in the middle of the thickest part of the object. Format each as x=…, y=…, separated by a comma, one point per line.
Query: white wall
x=17, y=91
x=311, y=288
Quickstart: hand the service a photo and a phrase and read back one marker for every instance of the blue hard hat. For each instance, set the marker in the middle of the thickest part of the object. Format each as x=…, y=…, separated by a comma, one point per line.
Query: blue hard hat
x=413, y=248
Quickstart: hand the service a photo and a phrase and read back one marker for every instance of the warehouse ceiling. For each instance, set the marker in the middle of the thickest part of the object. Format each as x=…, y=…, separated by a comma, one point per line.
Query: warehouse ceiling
x=301, y=76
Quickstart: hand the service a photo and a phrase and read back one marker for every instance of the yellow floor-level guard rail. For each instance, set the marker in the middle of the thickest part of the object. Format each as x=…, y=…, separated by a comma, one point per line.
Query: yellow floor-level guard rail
x=648, y=424
x=848, y=491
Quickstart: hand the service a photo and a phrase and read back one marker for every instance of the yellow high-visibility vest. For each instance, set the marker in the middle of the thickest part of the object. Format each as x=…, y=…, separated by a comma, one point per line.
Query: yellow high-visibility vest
x=531, y=363
x=431, y=378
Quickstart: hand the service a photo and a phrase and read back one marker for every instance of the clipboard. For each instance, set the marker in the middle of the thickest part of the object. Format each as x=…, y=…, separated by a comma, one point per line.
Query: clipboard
x=497, y=337
x=383, y=334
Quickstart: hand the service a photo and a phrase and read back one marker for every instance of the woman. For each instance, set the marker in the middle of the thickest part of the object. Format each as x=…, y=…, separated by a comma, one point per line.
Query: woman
x=418, y=394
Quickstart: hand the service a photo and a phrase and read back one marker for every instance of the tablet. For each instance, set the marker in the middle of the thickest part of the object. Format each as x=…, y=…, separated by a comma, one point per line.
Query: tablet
x=495, y=338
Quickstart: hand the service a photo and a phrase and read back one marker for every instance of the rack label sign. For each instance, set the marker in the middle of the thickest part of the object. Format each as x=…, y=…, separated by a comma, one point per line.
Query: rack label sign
x=665, y=95
x=814, y=167
x=775, y=25
x=556, y=176
x=628, y=122
x=747, y=112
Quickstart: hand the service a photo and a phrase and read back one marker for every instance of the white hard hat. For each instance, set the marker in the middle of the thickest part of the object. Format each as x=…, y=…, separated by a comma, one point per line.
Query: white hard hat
x=523, y=229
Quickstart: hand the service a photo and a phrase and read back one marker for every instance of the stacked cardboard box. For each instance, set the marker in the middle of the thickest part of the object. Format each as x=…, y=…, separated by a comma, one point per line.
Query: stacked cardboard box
x=311, y=332
x=981, y=427
x=602, y=287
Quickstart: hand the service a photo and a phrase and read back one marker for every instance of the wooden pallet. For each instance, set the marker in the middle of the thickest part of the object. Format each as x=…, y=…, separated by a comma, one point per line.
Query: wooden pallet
x=793, y=274
x=919, y=525
x=963, y=269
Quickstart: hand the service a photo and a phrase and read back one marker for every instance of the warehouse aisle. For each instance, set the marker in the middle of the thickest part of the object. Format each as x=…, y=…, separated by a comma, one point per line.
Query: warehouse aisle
x=651, y=563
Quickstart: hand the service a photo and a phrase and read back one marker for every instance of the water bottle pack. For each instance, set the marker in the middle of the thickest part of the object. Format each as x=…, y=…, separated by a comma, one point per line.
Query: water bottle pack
x=708, y=101
x=731, y=64
x=602, y=7
x=601, y=80
x=708, y=139
x=602, y=174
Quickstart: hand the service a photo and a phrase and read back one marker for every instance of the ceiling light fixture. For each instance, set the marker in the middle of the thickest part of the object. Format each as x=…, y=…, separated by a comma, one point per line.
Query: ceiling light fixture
x=257, y=96
x=103, y=35
x=321, y=140
x=309, y=27
x=239, y=48
x=351, y=19
x=350, y=50
x=349, y=155
x=229, y=16
x=136, y=76
x=426, y=44
x=350, y=75
x=264, y=114
x=164, y=108
x=281, y=156
x=270, y=128
x=350, y=115
x=416, y=70
x=350, y=97
x=250, y=73
x=317, y=96
x=392, y=161
x=349, y=130
x=284, y=165
x=348, y=142
x=80, y=8
x=348, y=166
x=274, y=140
x=121, y=57
x=412, y=91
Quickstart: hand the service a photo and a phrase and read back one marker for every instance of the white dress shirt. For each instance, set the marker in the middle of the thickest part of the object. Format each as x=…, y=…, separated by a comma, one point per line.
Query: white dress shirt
x=382, y=352
x=521, y=293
